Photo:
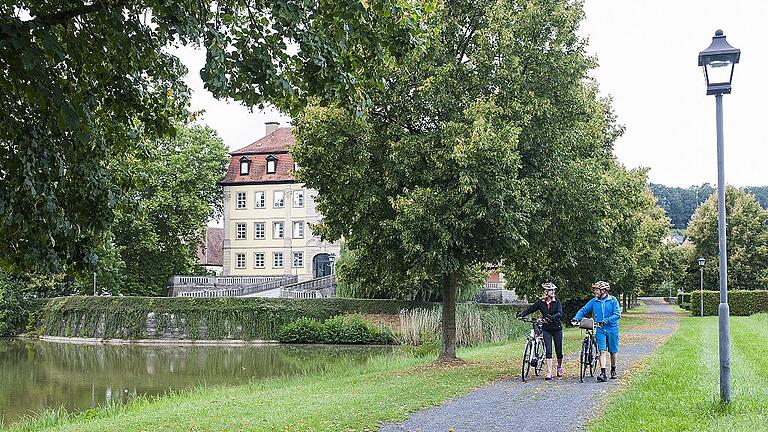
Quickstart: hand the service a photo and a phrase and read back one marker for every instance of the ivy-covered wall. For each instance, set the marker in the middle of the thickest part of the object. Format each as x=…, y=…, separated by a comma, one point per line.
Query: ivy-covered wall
x=195, y=318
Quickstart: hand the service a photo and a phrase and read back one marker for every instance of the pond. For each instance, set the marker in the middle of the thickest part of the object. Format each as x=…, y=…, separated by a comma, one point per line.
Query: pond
x=36, y=375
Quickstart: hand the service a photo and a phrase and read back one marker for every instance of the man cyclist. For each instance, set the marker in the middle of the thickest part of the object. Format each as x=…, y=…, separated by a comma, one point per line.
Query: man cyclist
x=552, y=331
x=606, y=310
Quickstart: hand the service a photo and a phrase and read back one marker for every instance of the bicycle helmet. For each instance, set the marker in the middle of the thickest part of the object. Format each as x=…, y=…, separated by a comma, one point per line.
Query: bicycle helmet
x=602, y=285
x=546, y=286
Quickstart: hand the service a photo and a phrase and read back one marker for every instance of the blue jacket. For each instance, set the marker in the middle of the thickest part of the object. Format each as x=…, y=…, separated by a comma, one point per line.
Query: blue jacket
x=605, y=310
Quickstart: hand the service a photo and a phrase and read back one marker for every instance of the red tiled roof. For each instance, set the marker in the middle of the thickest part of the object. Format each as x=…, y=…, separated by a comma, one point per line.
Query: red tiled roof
x=212, y=252
x=258, y=171
x=276, y=144
x=277, y=141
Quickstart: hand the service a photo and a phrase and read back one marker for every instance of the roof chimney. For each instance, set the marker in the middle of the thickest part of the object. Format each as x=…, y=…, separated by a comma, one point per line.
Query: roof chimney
x=271, y=126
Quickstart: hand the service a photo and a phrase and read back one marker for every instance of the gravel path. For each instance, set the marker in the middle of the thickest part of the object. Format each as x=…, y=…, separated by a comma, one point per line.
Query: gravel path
x=510, y=404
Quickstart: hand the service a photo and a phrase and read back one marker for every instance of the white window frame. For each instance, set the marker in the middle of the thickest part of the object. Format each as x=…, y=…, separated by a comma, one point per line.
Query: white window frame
x=256, y=231
x=298, y=198
x=245, y=163
x=240, y=200
x=259, y=199
x=238, y=265
x=261, y=258
x=281, y=194
x=300, y=260
x=275, y=257
x=271, y=166
x=276, y=231
x=300, y=225
x=244, y=231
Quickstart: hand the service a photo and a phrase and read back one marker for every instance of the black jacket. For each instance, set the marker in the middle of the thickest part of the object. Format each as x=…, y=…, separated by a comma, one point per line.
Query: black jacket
x=551, y=314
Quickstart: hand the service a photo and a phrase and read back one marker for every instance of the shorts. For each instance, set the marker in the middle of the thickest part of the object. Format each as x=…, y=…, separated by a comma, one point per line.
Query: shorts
x=609, y=338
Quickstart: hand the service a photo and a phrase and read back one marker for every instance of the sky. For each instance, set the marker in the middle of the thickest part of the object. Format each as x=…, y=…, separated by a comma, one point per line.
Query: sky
x=647, y=53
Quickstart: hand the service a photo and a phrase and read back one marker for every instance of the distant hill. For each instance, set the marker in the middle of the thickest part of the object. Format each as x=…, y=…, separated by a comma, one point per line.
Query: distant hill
x=680, y=203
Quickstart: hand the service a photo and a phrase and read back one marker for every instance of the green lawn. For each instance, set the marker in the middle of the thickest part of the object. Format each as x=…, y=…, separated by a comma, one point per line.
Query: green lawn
x=345, y=399
x=679, y=388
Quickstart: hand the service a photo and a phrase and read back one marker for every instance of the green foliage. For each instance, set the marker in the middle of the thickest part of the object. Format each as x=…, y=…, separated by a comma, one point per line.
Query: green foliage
x=70, y=112
x=740, y=302
x=303, y=330
x=353, y=329
x=747, y=241
x=443, y=173
x=15, y=305
x=760, y=193
x=164, y=217
x=197, y=318
x=680, y=203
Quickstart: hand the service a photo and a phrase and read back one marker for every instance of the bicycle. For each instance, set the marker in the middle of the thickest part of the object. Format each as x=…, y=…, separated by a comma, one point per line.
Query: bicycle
x=589, y=353
x=533, y=355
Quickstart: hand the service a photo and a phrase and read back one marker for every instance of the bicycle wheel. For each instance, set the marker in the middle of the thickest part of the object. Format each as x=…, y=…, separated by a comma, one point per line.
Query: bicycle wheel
x=583, y=359
x=526, y=360
x=595, y=357
x=539, y=355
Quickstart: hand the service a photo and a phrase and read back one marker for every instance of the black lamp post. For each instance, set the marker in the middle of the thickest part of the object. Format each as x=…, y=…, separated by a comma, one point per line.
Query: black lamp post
x=718, y=61
x=702, y=261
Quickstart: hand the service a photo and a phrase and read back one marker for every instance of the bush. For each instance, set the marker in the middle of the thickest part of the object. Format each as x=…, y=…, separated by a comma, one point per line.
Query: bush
x=15, y=306
x=343, y=329
x=740, y=302
x=684, y=299
x=304, y=330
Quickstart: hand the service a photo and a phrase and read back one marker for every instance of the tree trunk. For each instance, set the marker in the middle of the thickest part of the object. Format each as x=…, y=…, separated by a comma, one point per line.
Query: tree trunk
x=624, y=302
x=448, y=341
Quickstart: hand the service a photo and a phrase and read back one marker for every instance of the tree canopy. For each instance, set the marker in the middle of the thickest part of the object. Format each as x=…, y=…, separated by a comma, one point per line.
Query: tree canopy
x=746, y=241
x=491, y=145
x=82, y=84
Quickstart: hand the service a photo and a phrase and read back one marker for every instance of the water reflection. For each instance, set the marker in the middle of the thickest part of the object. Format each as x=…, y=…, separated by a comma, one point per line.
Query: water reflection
x=35, y=375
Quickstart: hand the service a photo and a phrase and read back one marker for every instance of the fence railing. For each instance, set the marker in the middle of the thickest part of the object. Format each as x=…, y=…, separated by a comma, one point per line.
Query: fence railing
x=220, y=280
x=247, y=285
x=321, y=287
x=301, y=294
x=494, y=285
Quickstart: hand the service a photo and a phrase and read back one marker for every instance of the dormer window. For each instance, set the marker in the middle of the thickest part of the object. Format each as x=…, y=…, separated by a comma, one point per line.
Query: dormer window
x=245, y=165
x=271, y=164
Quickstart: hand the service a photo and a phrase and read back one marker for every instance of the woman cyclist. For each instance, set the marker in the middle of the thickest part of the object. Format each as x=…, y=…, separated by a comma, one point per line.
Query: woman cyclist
x=551, y=312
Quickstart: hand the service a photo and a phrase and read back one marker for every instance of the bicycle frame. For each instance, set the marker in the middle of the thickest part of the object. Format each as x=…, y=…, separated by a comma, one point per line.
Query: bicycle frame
x=589, y=354
x=533, y=354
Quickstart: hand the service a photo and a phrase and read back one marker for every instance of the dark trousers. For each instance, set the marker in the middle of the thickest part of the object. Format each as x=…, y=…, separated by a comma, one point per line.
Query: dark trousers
x=557, y=335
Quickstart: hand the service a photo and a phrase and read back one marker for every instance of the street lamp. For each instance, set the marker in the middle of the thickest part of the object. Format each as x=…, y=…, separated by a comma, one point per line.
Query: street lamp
x=718, y=61
x=701, y=292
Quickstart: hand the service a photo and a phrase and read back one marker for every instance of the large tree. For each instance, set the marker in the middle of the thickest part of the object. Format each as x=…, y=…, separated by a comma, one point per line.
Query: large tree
x=444, y=171
x=747, y=241
x=85, y=82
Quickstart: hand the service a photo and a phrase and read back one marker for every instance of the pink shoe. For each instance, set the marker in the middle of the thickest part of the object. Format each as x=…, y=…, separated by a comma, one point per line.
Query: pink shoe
x=559, y=372
x=549, y=376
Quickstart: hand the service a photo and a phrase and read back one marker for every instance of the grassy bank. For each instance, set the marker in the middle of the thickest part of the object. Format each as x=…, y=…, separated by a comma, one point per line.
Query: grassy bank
x=342, y=399
x=679, y=388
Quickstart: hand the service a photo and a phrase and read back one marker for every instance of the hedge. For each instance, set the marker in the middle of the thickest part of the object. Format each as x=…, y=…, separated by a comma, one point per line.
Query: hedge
x=740, y=302
x=201, y=318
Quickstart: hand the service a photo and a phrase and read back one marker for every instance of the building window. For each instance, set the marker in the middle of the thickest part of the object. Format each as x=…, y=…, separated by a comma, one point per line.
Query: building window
x=277, y=259
x=298, y=259
x=278, y=230
x=258, y=260
x=259, y=199
x=298, y=198
x=259, y=230
x=279, y=199
x=245, y=165
x=240, y=200
x=241, y=231
x=295, y=167
x=298, y=229
x=271, y=164
x=240, y=260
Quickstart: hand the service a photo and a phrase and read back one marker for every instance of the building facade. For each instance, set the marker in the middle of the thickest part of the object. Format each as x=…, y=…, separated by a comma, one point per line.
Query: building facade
x=268, y=215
